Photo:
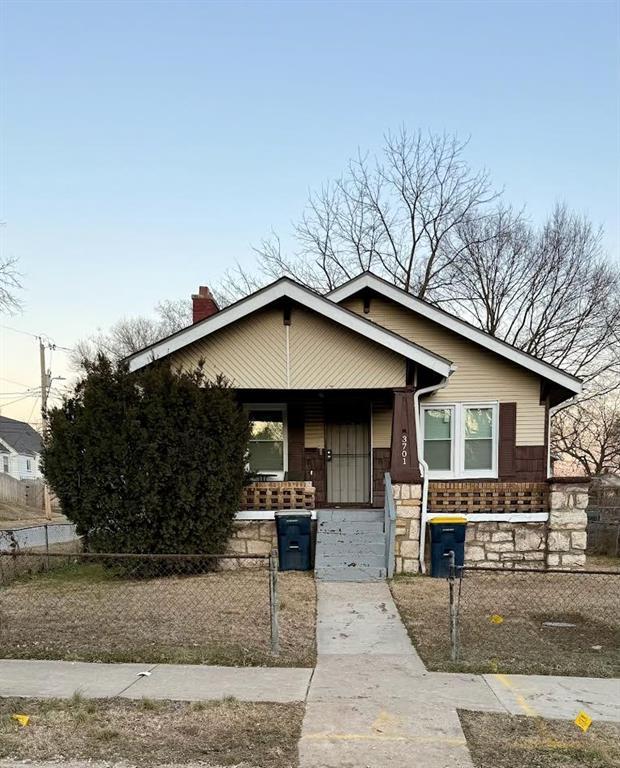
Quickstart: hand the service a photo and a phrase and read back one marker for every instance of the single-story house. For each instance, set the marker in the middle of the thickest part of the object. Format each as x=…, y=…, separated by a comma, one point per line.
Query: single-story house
x=20, y=449
x=377, y=410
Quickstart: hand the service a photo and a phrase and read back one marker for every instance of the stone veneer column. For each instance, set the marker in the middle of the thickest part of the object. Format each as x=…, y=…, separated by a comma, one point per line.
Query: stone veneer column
x=566, y=532
x=408, y=502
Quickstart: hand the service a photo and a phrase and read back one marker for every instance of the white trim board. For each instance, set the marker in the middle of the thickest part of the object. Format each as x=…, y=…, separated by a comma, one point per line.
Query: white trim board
x=288, y=289
x=495, y=517
x=249, y=515
x=452, y=323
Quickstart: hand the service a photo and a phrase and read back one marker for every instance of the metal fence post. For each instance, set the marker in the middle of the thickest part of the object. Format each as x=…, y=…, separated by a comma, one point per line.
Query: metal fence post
x=454, y=619
x=47, y=546
x=273, y=601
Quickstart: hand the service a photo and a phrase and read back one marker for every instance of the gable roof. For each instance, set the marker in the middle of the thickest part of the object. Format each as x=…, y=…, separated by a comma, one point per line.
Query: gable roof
x=285, y=288
x=371, y=281
x=21, y=437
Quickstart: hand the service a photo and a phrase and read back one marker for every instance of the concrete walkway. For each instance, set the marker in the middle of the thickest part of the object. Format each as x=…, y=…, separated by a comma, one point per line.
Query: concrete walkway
x=365, y=706
x=180, y=682
x=542, y=695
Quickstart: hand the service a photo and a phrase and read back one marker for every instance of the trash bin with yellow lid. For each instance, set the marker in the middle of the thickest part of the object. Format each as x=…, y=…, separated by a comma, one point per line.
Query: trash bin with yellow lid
x=447, y=535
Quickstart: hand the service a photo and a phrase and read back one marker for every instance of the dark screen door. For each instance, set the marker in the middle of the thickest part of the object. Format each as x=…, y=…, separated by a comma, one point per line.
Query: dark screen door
x=348, y=463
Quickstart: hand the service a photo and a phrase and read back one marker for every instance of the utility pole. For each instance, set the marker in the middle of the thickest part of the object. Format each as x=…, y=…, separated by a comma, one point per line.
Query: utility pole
x=45, y=387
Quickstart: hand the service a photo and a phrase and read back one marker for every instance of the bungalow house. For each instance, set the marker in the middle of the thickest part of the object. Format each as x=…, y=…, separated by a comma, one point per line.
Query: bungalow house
x=20, y=449
x=377, y=410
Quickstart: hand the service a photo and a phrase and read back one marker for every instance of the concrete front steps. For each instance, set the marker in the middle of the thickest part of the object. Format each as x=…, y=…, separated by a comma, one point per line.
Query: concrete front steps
x=350, y=545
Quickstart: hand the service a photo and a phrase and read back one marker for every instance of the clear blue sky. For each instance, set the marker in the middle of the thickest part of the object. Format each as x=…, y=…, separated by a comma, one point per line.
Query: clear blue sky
x=146, y=145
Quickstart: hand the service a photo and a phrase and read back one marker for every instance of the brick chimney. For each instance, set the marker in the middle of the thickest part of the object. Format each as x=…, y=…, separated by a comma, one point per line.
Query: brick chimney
x=204, y=305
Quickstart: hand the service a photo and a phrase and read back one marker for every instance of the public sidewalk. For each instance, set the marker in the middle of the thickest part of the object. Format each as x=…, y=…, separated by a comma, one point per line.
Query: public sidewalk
x=179, y=682
x=371, y=702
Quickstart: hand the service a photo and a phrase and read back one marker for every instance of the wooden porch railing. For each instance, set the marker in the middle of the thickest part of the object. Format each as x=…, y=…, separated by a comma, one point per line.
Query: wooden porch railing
x=487, y=497
x=274, y=495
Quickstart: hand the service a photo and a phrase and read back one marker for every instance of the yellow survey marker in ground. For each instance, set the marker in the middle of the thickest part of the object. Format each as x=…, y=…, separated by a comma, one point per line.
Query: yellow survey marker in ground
x=583, y=721
x=21, y=719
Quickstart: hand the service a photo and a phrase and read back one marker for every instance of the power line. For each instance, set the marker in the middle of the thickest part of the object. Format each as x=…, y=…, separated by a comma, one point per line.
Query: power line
x=43, y=336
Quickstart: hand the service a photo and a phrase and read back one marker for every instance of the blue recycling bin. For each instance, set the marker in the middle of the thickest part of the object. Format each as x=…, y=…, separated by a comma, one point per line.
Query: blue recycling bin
x=447, y=535
x=294, y=534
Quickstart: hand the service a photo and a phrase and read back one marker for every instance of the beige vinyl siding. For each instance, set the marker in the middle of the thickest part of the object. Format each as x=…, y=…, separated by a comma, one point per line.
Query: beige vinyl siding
x=252, y=354
x=314, y=424
x=480, y=376
x=325, y=355
x=381, y=425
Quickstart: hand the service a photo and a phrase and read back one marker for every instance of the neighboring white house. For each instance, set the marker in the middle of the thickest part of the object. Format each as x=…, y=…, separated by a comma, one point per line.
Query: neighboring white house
x=20, y=449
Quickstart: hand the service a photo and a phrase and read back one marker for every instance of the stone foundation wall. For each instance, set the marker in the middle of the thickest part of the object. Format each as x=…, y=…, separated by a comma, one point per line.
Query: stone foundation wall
x=506, y=545
x=558, y=543
x=254, y=537
x=408, y=501
x=568, y=521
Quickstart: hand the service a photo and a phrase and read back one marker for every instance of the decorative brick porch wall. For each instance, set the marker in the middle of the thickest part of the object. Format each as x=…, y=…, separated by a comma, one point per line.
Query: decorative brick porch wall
x=276, y=494
x=408, y=502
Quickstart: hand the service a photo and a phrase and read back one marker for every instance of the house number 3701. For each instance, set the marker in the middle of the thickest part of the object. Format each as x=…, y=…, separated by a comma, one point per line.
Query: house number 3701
x=404, y=445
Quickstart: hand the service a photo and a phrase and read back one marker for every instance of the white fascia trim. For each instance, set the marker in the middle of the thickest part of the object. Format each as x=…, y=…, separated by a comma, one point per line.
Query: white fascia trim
x=494, y=517
x=9, y=448
x=322, y=306
x=248, y=515
x=458, y=326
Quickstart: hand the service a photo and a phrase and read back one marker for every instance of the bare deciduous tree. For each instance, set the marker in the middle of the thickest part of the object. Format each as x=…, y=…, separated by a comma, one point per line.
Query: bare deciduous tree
x=548, y=291
x=10, y=284
x=396, y=214
x=420, y=217
x=131, y=334
x=589, y=434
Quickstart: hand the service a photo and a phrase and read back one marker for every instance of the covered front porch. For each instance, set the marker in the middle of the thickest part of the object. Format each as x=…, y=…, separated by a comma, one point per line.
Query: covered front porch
x=314, y=450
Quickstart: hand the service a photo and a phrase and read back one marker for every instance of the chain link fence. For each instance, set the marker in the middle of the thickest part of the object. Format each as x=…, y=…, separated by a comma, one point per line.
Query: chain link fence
x=142, y=608
x=51, y=537
x=530, y=621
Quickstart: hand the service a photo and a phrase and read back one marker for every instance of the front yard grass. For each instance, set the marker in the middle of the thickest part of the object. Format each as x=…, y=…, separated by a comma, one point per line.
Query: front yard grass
x=521, y=642
x=84, y=612
x=509, y=741
x=150, y=733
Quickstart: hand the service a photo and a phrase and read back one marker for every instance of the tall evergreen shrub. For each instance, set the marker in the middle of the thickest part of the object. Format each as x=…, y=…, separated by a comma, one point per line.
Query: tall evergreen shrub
x=148, y=462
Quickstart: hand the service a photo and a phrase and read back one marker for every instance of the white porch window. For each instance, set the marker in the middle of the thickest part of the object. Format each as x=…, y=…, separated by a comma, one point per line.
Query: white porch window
x=267, y=447
x=5, y=464
x=438, y=439
x=460, y=440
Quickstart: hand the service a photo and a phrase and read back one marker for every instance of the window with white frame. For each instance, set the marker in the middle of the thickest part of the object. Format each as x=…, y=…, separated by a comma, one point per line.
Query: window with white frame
x=267, y=447
x=5, y=463
x=28, y=465
x=460, y=440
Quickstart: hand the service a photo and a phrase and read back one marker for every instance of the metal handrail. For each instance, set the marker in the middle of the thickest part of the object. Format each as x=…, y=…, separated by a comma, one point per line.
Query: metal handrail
x=389, y=525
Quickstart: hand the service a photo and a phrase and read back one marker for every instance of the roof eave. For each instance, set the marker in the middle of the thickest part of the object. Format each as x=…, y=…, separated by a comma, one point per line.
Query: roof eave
x=565, y=380
x=286, y=288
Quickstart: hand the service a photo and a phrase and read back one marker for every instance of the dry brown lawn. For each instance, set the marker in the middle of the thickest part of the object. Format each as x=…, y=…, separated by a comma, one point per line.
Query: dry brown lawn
x=508, y=741
x=149, y=733
x=521, y=643
x=83, y=613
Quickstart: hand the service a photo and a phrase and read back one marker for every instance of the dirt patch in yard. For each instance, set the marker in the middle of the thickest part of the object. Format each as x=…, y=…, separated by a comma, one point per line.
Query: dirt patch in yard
x=519, y=623
x=149, y=733
x=508, y=741
x=84, y=613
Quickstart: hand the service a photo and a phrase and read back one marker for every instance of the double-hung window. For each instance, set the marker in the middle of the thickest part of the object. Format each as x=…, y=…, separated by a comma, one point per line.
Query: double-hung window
x=460, y=440
x=267, y=447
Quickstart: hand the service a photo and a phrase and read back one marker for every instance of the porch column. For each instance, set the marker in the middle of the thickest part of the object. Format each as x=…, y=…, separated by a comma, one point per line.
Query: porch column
x=404, y=464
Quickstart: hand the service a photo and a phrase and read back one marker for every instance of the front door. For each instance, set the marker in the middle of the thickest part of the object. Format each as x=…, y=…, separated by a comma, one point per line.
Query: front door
x=347, y=447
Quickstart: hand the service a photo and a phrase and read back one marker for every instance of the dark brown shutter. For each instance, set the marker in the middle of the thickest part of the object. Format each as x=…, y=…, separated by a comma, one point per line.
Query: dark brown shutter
x=507, y=440
x=295, y=419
